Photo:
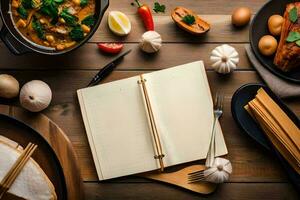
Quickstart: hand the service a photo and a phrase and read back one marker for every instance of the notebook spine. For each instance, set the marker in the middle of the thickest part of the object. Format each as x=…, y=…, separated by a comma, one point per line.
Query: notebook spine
x=152, y=123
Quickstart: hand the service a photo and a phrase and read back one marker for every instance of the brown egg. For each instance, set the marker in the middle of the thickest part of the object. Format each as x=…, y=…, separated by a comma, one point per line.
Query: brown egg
x=267, y=45
x=275, y=24
x=241, y=16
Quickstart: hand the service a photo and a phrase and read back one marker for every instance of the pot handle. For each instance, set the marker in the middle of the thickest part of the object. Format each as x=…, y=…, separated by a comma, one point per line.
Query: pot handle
x=104, y=6
x=11, y=43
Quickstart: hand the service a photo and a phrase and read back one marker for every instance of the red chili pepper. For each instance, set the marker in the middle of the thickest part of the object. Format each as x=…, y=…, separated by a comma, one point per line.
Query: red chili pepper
x=146, y=15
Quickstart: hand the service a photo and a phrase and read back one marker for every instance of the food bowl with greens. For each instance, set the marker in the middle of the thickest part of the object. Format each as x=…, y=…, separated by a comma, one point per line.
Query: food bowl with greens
x=49, y=27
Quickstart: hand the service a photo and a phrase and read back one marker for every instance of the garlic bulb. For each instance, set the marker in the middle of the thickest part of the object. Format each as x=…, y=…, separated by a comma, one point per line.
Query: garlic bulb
x=224, y=59
x=151, y=42
x=35, y=96
x=219, y=172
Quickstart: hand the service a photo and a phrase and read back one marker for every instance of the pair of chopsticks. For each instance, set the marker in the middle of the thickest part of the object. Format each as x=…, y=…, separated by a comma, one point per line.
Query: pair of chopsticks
x=15, y=170
x=152, y=124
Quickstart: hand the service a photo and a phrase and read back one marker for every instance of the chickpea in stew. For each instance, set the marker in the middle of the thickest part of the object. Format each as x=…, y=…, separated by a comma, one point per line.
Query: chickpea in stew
x=57, y=24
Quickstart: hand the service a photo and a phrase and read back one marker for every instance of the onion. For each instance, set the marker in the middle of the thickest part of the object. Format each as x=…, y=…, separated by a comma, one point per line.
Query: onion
x=9, y=86
x=35, y=96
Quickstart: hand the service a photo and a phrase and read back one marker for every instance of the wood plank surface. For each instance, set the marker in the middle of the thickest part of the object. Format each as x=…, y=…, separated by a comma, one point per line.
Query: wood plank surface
x=199, y=6
x=150, y=191
x=221, y=31
x=256, y=174
x=88, y=57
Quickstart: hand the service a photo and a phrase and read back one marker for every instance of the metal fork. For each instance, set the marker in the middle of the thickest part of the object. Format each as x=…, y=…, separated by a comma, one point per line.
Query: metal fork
x=218, y=111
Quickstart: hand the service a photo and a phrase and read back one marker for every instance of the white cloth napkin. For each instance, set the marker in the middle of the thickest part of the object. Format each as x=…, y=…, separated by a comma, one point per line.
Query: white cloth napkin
x=280, y=87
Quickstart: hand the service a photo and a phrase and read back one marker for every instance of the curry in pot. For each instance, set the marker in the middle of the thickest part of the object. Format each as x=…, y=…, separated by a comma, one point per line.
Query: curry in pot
x=56, y=24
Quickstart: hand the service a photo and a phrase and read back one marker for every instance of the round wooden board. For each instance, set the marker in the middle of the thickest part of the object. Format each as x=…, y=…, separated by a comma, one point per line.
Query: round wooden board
x=58, y=141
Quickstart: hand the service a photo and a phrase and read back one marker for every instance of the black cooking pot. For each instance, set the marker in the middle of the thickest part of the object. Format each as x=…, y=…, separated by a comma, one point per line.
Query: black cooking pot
x=18, y=45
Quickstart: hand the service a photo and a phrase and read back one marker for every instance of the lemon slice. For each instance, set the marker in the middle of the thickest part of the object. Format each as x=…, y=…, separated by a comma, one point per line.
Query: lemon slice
x=119, y=23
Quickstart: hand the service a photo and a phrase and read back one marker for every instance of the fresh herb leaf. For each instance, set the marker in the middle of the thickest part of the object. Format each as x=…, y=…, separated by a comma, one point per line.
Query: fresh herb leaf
x=59, y=1
x=293, y=14
x=189, y=19
x=89, y=20
x=293, y=36
x=22, y=12
x=76, y=33
x=298, y=43
x=84, y=3
x=27, y=4
x=49, y=8
x=71, y=20
x=47, y=2
x=159, y=7
x=37, y=26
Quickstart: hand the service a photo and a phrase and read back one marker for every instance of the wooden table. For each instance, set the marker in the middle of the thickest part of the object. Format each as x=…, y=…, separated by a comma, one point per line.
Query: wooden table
x=256, y=174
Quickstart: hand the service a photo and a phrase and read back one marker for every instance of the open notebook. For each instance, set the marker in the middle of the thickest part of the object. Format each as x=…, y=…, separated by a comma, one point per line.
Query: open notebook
x=117, y=122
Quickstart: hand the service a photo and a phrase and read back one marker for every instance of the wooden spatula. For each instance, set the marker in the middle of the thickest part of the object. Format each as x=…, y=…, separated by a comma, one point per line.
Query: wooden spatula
x=180, y=179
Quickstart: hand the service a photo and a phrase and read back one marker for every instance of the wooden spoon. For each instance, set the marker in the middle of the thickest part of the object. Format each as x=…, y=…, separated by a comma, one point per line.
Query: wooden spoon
x=180, y=179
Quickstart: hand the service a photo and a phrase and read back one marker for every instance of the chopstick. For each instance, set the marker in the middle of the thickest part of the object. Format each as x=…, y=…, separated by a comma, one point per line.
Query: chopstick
x=17, y=167
x=155, y=136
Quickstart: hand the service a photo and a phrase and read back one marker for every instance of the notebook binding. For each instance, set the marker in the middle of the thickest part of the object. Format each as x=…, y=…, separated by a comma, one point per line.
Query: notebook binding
x=153, y=128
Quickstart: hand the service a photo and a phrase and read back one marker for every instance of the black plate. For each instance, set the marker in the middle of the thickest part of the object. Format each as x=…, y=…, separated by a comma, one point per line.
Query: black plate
x=240, y=98
x=259, y=28
x=44, y=155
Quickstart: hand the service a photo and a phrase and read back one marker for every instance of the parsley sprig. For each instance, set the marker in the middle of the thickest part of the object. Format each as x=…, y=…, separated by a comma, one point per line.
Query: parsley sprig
x=293, y=35
x=293, y=14
x=189, y=19
x=159, y=7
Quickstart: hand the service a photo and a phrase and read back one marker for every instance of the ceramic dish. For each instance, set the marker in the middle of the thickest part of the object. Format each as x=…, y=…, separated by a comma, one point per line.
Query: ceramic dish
x=259, y=28
x=44, y=155
x=240, y=98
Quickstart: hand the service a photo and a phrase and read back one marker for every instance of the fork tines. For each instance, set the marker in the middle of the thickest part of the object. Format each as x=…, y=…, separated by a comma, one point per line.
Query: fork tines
x=219, y=99
x=196, y=176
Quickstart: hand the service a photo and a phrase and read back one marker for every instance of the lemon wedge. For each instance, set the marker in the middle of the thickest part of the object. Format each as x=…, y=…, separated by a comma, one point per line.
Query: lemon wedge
x=119, y=23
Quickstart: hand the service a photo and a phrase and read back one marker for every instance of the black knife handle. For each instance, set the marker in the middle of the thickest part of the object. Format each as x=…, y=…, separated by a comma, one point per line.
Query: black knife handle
x=103, y=73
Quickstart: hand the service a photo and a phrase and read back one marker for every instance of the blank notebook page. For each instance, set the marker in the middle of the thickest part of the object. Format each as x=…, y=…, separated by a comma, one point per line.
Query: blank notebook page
x=183, y=108
x=118, y=129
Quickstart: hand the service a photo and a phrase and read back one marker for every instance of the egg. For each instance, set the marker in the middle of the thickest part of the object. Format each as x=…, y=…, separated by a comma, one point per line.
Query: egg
x=267, y=45
x=275, y=24
x=241, y=16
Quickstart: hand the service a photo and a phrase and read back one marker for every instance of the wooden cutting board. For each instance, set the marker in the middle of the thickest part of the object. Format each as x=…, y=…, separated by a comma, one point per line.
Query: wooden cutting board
x=56, y=139
x=179, y=178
